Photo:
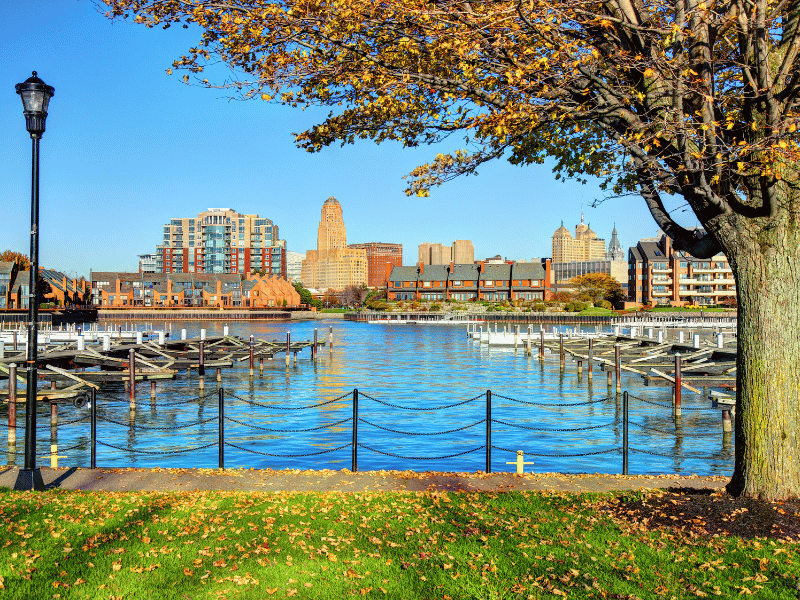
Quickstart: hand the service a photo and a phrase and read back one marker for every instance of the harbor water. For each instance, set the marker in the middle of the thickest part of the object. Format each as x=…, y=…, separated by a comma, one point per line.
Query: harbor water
x=422, y=405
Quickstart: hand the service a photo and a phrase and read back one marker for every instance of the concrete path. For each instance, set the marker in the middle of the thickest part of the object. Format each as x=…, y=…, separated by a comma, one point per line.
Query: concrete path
x=166, y=480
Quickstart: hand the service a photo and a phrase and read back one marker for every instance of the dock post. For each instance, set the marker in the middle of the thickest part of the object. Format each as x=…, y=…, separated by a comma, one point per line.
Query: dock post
x=132, y=378
x=720, y=341
x=225, y=330
x=650, y=333
x=678, y=385
x=354, y=457
x=288, y=346
x=610, y=378
x=202, y=334
x=541, y=343
x=314, y=349
x=2, y=349
x=12, y=406
x=591, y=356
x=106, y=342
x=561, y=350
x=580, y=367
x=516, y=337
x=260, y=365
x=53, y=414
x=221, y=418
x=161, y=338
x=680, y=337
x=201, y=367
x=152, y=388
x=139, y=337
x=660, y=336
x=219, y=374
x=696, y=340
x=488, y=431
x=252, y=354
x=617, y=367
x=330, y=338
x=183, y=334
x=625, y=433
x=726, y=421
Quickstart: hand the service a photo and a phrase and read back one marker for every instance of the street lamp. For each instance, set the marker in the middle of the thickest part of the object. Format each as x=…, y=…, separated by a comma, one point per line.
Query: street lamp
x=35, y=95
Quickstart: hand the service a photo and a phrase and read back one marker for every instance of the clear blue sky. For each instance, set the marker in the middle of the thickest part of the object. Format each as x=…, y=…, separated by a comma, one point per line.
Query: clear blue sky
x=128, y=147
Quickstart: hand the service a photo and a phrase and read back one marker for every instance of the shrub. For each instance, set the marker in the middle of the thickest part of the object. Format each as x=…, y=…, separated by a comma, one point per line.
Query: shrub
x=435, y=307
x=605, y=304
x=538, y=307
x=377, y=305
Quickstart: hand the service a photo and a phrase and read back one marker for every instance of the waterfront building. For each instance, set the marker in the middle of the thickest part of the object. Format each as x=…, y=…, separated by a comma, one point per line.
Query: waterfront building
x=54, y=287
x=333, y=266
x=463, y=252
x=584, y=246
x=460, y=252
x=222, y=290
x=471, y=282
x=381, y=257
x=148, y=263
x=294, y=266
x=434, y=254
x=564, y=272
x=221, y=240
x=657, y=274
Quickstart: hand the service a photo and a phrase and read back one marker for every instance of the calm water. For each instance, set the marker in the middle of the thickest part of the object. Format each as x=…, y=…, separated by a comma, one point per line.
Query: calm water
x=419, y=367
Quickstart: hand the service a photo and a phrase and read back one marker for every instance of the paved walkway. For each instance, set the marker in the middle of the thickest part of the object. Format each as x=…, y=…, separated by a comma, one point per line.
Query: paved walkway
x=163, y=480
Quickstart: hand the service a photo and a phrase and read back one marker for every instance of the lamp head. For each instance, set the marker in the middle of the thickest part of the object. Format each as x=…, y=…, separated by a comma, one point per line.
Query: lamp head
x=35, y=95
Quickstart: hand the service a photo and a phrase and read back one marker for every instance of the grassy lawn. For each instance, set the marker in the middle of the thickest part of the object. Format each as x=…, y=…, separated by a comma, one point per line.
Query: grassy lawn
x=688, y=309
x=335, y=310
x=182, y=546
x=596, y=311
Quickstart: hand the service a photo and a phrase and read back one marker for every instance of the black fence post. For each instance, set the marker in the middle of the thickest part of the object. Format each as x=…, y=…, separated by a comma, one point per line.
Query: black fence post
x=93, y=433
x=625, y=433
x=221, y=428
x=488, y=431
x=201, y=367
x=354, y=462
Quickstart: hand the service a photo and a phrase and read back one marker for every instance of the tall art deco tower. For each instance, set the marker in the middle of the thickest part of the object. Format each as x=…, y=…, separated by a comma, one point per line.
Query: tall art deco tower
x=333, y=266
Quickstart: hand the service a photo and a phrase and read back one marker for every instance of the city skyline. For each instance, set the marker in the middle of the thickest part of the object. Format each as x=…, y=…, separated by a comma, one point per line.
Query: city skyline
x=128, y=147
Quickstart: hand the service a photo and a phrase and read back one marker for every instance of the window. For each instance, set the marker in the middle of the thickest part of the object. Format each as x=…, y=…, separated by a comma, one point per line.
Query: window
x=488, y=282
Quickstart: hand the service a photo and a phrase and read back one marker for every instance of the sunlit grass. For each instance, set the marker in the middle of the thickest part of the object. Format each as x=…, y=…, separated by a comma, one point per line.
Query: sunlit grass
x=61, y=544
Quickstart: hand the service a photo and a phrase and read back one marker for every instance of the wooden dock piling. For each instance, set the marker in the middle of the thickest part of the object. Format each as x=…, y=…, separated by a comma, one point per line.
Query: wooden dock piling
x=678, y=384
x=132, y=378
x=12, y=405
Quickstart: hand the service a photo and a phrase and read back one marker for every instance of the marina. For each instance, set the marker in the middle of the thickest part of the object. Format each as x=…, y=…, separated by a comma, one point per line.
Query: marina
x=403, y=375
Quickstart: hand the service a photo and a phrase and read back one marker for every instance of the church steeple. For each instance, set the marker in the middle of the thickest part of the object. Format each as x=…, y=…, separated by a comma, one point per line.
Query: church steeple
x=614, y=247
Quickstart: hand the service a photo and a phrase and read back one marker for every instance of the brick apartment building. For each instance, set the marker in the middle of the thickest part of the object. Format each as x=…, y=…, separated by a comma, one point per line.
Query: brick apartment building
x=657, y=274
x=465, y=282
x=379, y=255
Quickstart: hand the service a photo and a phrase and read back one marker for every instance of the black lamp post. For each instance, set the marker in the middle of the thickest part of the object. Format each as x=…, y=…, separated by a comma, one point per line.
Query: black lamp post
x=35, y=95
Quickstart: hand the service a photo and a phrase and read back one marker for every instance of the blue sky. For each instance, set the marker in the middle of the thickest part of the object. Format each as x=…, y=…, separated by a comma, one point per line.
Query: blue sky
x=128, y=147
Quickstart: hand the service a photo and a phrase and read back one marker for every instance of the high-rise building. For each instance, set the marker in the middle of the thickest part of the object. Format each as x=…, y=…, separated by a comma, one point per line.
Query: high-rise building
x=434, y=254
x=379, y=254
x=584, y=246
x=147, y=263
x=615, y=251
x=294, y=266
x=463, y=252
x=220, y=240
x=333, y=265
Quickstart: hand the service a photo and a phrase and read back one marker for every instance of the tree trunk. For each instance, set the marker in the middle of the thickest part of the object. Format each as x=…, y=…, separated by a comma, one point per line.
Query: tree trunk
x=765, y=258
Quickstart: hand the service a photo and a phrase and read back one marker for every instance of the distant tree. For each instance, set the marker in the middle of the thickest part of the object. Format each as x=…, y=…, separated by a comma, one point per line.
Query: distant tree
x=352, y=295
x=21, y=259
x=561, y=297
x=331, y=298
x=595, y=287
x=305, y=295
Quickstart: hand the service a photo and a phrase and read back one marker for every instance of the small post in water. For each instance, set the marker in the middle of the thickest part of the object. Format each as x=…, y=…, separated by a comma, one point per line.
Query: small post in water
x=591, y=356
x=561, y=350
x=617, y=366
x=93, y=428
x=678, y=384
x=252, y=354
x=288, y=346
x=488, y=431
x=132, y=378
x=12, y=407
x=221, y=417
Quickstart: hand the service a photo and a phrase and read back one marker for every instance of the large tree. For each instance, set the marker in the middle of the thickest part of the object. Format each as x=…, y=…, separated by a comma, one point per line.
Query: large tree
x=684, y=98
x=594, y=287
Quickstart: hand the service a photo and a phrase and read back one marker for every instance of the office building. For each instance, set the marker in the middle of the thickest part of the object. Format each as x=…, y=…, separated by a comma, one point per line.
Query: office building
x=380, y=256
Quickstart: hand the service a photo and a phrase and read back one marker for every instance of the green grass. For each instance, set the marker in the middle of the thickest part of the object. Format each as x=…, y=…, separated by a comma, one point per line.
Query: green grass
x=336, y=310
x=184, y=546
x=595, y=311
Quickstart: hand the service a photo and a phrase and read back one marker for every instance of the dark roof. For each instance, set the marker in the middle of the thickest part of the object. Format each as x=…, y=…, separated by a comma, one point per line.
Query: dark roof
x=634, y=252
x=6, y=267
x=531, y=270
x=468, y=272
x=651, y=251
x=433, y=273
x=496, y=272
x=403, y=274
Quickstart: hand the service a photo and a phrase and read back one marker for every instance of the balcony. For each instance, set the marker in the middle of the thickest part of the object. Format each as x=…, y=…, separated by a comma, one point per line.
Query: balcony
x=662, y=294
x=661, y=280
x=714, y=270
x=662, y=270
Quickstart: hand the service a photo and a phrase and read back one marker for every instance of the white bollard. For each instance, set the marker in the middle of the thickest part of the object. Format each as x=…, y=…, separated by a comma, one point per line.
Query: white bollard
x=634, y=331
x=2, y=349
x=202, y=334
x=680, y=337
x=720, y=341
x=138, y=337
x=161, y=338
x=650, y=333
x=225, y=330
x=81, y=343
x=696, y=340
x=106, y=342
x=660, y=336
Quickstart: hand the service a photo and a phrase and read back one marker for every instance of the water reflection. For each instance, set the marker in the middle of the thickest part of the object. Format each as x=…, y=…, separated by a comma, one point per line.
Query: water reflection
x=406, y=365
